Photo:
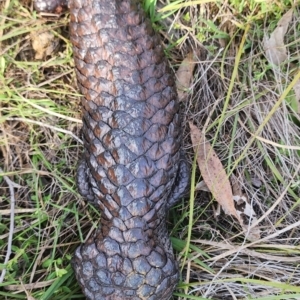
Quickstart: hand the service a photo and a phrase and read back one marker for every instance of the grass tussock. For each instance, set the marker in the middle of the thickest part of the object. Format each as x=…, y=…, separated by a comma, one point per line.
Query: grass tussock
x=245, y=105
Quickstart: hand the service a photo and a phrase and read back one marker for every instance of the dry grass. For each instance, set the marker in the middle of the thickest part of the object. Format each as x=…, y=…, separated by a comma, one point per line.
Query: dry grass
x=40, y=146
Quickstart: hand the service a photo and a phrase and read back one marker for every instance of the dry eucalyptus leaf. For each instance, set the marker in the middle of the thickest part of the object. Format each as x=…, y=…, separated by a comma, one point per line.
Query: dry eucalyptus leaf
x=245, y=211
x=274, y=46
x=43, y=43
x=184, y=76
x=212, y=171
x=232, y=200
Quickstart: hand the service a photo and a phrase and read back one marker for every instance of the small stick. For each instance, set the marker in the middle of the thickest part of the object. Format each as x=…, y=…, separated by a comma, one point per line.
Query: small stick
x=11, y=186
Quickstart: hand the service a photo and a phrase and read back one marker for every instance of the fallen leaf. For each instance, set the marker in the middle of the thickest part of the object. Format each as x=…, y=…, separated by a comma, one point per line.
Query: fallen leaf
x=212, y=171
x=274, y=46
x=230, y=196
x=184, y=76
x=245, y=211
x=276, y=52
x=43, y=43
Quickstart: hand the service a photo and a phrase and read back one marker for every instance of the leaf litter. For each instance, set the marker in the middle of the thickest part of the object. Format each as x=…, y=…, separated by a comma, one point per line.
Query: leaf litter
x=231, y=199
x=43, y=43
x=276, y=50
x=184, y=76
x=261, y=196
x=274, y=46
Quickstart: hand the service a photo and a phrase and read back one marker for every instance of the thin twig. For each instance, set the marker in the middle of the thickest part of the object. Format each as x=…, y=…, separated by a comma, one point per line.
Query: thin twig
x=48, y=111
x=48, y=126
x=11, y=186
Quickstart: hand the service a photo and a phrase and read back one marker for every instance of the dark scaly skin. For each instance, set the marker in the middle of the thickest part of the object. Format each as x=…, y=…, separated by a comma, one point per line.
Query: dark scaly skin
x=132, y=168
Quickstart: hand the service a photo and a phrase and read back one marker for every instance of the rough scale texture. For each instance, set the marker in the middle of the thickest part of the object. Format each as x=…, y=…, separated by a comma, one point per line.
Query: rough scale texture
x=132, y=168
